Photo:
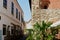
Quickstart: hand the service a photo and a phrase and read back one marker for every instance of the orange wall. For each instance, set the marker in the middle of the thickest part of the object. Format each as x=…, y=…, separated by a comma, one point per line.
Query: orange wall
x=54, y=4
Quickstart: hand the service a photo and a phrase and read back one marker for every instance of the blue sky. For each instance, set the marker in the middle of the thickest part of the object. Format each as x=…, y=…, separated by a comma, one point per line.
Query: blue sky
x=26, y=9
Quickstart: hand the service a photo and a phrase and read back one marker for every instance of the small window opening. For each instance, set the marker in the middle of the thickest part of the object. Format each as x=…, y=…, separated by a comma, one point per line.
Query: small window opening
x=0, y=17
x=45, y=7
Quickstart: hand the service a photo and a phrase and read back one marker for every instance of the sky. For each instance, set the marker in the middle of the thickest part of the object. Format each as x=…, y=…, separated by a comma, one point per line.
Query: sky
x=26, y=9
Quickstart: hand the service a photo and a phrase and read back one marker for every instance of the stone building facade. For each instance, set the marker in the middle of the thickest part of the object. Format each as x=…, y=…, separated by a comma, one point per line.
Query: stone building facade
x=47, y=10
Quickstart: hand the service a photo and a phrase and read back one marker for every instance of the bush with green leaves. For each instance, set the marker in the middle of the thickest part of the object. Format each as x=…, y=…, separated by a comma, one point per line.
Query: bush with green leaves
x=39, y=31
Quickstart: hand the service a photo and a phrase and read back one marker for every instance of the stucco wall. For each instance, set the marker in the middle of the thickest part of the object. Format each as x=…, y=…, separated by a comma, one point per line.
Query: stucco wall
x=6, y=16
x=54, y=4
x=7, y=21
x=8, y=10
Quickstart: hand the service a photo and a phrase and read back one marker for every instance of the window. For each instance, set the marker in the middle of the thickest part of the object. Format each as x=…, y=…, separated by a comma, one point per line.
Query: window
x=4, y=29
x=8, y=28
x=5, y=4
x=16, y=13
x=22, y=19
x=19, y=15
x=12, y=30
x=45, y=7
x=0, y=17
x=12, y=8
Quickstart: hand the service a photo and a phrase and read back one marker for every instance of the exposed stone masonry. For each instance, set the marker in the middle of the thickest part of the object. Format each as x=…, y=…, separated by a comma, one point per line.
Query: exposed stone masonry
x=39, y=15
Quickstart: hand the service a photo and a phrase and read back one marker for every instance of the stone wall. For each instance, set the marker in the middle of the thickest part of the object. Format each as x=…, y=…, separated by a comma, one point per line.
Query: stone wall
x=39, y=15
x=47, y=15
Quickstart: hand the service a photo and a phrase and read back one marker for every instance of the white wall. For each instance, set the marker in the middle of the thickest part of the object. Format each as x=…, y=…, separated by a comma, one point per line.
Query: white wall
x=6, y=16
x=1, y=4
x=8, y=10
x=7, y=21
